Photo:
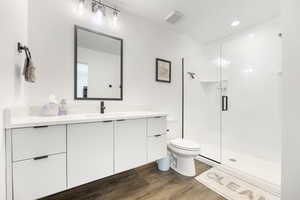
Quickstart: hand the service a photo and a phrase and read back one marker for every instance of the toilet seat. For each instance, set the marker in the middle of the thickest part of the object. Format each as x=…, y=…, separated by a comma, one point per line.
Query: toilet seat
x=185, y=145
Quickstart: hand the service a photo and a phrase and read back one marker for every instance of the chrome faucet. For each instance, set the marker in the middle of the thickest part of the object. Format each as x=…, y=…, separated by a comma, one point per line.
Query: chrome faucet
x=102, y=107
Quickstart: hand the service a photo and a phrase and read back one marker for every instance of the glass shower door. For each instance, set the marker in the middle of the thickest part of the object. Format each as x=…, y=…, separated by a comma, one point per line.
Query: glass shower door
x=202, y=101
x=251, y=95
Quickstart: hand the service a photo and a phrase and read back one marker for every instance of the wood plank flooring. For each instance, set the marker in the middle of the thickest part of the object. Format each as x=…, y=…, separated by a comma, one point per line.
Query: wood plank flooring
x=144, y=183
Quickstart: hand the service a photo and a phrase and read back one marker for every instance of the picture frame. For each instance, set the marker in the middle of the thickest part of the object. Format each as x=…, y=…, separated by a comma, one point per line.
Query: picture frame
x=163, y=70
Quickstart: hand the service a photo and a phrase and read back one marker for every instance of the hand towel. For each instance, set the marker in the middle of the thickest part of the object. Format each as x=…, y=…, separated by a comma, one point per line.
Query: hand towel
x=29, y=69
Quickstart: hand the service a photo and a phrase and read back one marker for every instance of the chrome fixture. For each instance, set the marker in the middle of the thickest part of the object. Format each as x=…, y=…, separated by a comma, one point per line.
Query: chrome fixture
x=99, y=9
x=115, y=19
x=80, y=8
x=192, y=74
x=174, y=17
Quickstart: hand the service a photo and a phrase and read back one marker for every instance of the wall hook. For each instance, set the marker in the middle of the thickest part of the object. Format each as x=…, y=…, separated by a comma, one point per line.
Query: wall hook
x=21, y=47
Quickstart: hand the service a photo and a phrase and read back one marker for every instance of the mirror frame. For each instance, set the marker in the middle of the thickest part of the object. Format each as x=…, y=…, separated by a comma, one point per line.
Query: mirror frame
x=76, y=28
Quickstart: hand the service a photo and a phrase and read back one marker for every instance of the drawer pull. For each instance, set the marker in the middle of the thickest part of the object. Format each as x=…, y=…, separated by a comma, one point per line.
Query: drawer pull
x=121, y=120
x=40, y=126
x=158, y=135
x=107, y=121
x=157, y=117
x=40, y=158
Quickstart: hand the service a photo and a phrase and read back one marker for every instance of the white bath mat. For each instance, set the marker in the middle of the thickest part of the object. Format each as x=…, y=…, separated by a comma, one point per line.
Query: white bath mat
x=231, y=187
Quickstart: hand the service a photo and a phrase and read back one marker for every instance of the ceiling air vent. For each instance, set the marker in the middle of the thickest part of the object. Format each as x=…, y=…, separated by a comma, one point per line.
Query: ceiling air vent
x=174, y=17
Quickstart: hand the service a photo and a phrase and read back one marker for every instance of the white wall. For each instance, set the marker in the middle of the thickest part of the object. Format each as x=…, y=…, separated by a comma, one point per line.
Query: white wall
x=291, y=82
x=51, y=29
x=13, y=20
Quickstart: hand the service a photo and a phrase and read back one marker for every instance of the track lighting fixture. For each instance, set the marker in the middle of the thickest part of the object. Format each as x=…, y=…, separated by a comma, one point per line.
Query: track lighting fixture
x=99, y=9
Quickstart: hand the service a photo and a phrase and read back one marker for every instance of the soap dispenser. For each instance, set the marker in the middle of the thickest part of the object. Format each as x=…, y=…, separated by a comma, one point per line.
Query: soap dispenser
x=63, y=109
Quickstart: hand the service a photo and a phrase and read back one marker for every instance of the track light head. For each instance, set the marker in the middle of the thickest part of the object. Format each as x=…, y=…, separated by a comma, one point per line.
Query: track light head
x=80, y=8
x=115, y=19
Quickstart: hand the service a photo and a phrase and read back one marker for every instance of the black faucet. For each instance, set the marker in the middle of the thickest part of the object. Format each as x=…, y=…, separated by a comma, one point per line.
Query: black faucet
x=102, y=107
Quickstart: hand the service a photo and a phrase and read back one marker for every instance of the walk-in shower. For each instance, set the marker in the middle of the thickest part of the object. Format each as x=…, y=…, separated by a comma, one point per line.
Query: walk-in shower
x=242, y=74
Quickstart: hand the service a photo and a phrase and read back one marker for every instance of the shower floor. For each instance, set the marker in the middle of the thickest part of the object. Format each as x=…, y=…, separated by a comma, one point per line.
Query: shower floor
x=257, y=167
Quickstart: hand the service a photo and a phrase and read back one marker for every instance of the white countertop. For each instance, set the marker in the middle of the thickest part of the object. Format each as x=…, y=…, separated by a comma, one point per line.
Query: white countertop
x=31, y=121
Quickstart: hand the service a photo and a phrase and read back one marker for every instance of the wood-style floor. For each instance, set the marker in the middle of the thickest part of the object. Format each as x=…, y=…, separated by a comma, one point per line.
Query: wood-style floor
x=144, y=183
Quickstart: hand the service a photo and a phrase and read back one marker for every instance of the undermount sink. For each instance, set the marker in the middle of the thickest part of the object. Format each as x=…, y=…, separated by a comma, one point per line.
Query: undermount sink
x=114, y=114
x=105, y=114
x=96, y=115
x=92, y=115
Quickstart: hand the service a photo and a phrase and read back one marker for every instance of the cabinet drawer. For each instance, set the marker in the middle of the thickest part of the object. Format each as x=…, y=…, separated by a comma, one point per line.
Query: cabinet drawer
x=33, y=179
x=40, y=141
x=157, y=126
x=157, y=147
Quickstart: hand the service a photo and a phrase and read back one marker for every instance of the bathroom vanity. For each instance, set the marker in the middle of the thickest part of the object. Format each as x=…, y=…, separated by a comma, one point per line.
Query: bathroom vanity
x=47, y=155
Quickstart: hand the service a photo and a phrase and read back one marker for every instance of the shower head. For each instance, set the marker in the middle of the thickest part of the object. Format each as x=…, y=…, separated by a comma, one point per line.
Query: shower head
x=193, y=75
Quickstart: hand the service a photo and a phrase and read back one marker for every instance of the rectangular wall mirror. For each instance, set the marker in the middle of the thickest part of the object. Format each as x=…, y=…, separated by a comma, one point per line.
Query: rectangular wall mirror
x=98, y=66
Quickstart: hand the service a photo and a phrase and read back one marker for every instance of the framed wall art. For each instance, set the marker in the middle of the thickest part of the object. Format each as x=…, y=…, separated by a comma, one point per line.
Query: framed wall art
x=163, y=70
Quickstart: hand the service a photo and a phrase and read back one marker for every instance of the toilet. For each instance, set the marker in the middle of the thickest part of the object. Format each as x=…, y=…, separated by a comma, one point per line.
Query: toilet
x=182, y=153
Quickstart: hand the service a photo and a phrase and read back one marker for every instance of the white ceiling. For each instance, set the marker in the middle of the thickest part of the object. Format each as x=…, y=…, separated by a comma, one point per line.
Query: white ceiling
x=205, y=20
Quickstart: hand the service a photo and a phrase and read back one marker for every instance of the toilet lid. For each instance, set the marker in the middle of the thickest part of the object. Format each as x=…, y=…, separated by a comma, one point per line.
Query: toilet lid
x=185, y=144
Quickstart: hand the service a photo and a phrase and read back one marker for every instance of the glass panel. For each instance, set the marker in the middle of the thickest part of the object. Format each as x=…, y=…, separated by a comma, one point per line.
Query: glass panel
x=251, y=78
x=202, y=101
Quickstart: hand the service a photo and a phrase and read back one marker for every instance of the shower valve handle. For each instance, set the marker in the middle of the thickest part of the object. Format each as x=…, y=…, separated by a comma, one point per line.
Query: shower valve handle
x=224, y=103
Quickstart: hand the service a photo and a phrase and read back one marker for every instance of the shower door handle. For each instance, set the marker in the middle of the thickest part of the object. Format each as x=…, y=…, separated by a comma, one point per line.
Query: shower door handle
x=224, y=103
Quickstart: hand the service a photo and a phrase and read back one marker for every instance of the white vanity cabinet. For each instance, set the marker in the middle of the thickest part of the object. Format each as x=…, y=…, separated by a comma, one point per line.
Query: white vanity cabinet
x=157, y=147
x=130, y=144
x=38, y=141
x=90, y=152
x=156, y=140
x=36, y=178
x=52, y=157
x=37, y=160
x=157, y=126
